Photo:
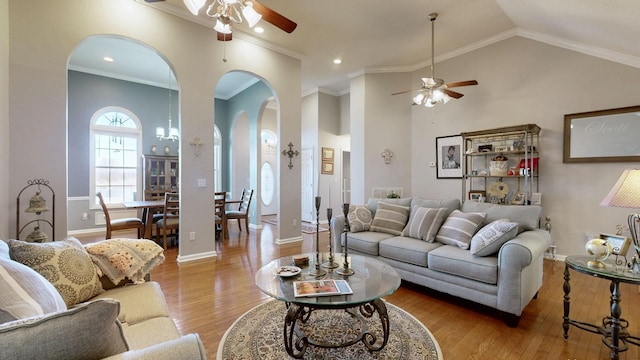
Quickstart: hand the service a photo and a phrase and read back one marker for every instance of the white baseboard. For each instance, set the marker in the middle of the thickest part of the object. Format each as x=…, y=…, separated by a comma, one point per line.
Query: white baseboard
x=205, y=255
x=289, y=240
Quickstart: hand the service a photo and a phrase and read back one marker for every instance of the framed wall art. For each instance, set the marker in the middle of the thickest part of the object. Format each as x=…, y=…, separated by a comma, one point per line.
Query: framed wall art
x=327, y=167
x=327, y=154
x=449, y=157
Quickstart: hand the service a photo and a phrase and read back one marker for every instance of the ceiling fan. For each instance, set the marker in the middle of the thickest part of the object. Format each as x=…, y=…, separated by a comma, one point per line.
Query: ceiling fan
x=434, y=90
x=227, y=12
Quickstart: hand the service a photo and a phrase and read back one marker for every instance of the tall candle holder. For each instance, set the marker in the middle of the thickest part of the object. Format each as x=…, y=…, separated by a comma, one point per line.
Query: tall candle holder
x=330, y=264
x=345, y=270
x=317, y=272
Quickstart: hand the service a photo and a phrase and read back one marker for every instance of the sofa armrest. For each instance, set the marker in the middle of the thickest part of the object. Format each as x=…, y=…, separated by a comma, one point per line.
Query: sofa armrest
x=337, y=226
x=520, y=269
x=187, y=347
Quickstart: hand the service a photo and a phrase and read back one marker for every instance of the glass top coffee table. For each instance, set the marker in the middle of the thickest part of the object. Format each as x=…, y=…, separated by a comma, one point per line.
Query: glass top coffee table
x=372, y=280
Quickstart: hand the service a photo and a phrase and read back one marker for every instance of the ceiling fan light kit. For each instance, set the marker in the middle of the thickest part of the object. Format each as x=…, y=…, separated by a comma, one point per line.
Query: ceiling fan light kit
x=435, y=91
x=227, y=12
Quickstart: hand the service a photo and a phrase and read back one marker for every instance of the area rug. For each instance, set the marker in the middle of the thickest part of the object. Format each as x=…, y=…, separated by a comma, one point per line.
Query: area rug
x=258, y=335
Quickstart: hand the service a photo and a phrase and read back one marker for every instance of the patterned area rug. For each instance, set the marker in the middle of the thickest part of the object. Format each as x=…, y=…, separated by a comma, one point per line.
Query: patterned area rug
x=258, y=335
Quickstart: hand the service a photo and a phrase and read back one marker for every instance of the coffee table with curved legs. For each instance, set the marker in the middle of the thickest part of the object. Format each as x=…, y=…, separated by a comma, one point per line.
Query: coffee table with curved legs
x=372, y=280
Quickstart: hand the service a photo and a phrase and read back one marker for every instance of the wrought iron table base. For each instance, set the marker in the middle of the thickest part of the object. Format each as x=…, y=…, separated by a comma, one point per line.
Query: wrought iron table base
x=296, y=342
x=614, y=328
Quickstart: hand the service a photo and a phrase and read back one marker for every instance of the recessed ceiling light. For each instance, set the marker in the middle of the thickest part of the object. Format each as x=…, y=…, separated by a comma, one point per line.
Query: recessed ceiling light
x=258, y=29
x=108, y=59
x=337, y=61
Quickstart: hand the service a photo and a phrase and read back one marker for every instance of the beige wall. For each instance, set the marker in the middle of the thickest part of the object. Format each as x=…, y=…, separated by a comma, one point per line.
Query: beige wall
x=524, y=81
x=4, y=115
x=40, y=43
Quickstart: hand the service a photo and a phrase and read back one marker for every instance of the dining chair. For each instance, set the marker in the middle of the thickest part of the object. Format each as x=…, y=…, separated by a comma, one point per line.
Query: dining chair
x=153, y=195
x=119, y=224
x=220, y=215
x=170, y=220
x=243, y=209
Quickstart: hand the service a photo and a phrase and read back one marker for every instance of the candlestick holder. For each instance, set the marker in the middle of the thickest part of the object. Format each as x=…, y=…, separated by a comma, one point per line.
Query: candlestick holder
x=345, y=270
x=330, y=264
x=317, y=271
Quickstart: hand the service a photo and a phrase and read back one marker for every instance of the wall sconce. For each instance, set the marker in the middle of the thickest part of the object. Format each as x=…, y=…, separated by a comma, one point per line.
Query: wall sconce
x=290, y=153
x=387, y=155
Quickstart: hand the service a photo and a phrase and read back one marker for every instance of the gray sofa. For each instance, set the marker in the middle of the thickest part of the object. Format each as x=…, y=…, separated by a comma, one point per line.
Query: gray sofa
x=506, y=280
x=123, y=322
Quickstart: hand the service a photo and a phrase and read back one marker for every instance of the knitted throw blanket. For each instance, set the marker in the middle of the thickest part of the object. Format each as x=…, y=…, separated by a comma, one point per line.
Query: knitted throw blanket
x=118, y=259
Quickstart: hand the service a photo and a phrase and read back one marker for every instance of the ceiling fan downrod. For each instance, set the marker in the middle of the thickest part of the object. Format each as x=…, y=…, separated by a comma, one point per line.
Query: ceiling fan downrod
x=433, y=17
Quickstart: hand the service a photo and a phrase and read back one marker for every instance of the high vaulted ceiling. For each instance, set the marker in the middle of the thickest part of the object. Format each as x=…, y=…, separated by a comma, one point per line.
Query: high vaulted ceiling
x=395, y=35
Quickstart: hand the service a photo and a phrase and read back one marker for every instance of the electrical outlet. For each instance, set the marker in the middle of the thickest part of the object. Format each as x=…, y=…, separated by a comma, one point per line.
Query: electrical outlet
x=85, y=216
x=295, y=222
x=192, y=235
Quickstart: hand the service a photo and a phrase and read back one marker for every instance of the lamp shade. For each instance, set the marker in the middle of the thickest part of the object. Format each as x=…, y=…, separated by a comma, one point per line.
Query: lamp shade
x=160, y=132
x=251, y=15
x=626, y=192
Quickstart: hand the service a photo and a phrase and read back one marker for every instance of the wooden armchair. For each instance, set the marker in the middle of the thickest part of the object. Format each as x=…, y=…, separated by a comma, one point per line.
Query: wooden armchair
x=119, y=224
x=170, y=220
x=243, y=209
x=220, y=215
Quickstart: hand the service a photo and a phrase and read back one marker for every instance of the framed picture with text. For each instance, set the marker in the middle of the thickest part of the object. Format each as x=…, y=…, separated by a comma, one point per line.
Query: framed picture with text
x=449, y=157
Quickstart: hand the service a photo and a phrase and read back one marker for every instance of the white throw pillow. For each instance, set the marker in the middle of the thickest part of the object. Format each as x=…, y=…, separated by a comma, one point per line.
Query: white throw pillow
x=459, y=228
x=424, y=223
x=489, y=239
x=359, y=217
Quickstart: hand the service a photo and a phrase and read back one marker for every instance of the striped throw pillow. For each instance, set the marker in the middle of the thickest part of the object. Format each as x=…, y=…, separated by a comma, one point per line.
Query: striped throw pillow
x=424, y=223
x=459, y=228
x=25, y=293
x=390, y=218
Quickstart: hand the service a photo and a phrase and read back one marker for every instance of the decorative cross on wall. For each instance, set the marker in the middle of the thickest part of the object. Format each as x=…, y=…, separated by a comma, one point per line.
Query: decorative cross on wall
x=290, y=153
x=387, y=155
x=197, y=143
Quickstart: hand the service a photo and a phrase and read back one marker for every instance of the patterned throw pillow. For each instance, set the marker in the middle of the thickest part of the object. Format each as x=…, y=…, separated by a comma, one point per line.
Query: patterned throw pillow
x=489, y=239
x=459, y=227
x=390, y=218
x=66, y=265
x=359, y=217
x=25, y=293
x=424, y=223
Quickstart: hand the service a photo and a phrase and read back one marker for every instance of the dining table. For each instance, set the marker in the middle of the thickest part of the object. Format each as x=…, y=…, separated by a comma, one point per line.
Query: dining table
x=147, y=207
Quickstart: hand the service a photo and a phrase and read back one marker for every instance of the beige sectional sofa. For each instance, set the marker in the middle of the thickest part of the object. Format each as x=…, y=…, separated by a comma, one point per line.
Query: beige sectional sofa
x=495, y=262
x=123, y=322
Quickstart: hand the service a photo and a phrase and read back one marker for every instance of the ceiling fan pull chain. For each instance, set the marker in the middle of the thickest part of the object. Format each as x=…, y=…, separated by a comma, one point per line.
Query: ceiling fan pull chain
x=224, y=50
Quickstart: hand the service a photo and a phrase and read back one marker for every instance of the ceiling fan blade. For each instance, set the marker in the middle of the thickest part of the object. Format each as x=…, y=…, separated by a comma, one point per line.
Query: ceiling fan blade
x=453, y=94
x=224, y=37
x=406, y=92
x=274, y=18
x=462, y=83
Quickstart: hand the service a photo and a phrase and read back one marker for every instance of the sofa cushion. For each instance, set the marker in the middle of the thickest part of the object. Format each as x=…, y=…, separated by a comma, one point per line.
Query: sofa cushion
x=408, y=250
x=527, y=217
x=390, y=218
x=489, y=239
x=87, y=331
x=449, y=204
x=459, y=227
x=66, y=264
x=365, y=242
x=25, y=293
x=424, y=223
x=359, y=217
x=138, y=302
x=459, y=262
x=373, y=203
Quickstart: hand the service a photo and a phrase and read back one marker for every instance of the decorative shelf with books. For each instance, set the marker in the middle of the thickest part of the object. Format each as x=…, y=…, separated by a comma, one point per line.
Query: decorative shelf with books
x=501, y=165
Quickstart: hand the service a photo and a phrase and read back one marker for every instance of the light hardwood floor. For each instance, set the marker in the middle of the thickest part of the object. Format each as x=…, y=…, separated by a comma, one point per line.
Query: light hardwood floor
x=207, y=296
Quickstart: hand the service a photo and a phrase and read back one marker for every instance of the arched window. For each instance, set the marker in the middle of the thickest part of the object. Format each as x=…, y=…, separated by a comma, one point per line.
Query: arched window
x=217, y=159
x=267, y=180
x=114, y=155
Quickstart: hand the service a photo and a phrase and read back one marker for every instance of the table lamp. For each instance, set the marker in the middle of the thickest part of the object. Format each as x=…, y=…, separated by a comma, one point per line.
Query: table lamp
x=626, y=194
